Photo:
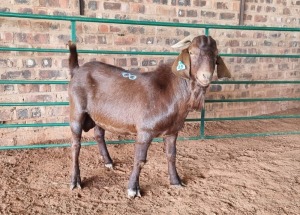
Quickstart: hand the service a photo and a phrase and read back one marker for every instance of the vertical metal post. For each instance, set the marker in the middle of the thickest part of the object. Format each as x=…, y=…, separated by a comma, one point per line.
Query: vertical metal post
x=73, y=31
x=242, y=12
x=206, y=31
x=81, y=7
x=202, y=136
x=202, y=125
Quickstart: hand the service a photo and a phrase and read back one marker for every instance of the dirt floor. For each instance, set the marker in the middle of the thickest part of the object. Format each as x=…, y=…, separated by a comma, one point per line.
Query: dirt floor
x=258, y=175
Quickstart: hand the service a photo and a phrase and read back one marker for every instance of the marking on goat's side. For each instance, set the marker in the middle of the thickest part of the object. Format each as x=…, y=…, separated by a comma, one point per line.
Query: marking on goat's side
x=129, y=76
x=180, y=66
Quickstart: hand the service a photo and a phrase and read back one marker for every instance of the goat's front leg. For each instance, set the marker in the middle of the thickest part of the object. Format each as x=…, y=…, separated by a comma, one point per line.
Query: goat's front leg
x=170, y=144
x=99, y=136
x=140, y=155
x=76, y=145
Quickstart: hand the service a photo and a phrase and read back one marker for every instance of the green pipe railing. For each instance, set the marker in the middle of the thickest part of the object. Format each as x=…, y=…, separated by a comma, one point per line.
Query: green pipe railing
x=139, y=52
x=56, y=124
x=149, y=23
x=206, y=28
x=17, y=104
x=63, y=145
x=213, y=82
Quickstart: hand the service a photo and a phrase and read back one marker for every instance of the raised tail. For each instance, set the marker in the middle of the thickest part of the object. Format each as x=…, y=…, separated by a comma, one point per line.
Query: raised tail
x=73, y=58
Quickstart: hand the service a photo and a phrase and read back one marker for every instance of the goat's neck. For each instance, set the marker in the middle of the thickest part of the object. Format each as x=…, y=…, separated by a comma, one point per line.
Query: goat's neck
x=197, y=96
x=191, y=94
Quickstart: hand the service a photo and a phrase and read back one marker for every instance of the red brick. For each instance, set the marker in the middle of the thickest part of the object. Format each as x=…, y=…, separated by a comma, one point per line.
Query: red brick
x=25, y=10
x=191, y=13
x=41, y=39
x=90, y=39
x=28, y=88
x=8, y=37
x=40, y=26
x=41, y=98
x=44, y=88
x=227, y=15
x=24, y=74
x=102, y=40
x=22, y=114
x=260, y=18
x=137, y=8
x=222, y=5
x=49, y=74
x=121, y=62
x=199, y=3
x=6, y=114
x=35, y=112
x=286, y=11
x=51, y=3
x=126, y=40
x=134, y=62
x=103, y=28
x=23, y=23
x=64, y=3
x=209, y=14
x=181, y=13
x=112, y=6
x=115, y=29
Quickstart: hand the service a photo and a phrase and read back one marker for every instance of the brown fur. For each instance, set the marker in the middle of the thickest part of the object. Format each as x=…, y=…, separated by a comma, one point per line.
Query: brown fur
x=154, y=104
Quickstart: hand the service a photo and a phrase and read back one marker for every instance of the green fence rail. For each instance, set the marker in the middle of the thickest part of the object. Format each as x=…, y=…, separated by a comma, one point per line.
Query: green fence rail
x=17, y=104
x=34, y=125
x=74, y=19
x=139, y=52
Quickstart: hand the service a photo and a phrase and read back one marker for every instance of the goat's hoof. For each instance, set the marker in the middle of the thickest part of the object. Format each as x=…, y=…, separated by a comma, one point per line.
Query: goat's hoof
x=109, y=165
x=73, y=186
x=182, y=184
x=76, y=183
x=131, y=193
x=179, y=185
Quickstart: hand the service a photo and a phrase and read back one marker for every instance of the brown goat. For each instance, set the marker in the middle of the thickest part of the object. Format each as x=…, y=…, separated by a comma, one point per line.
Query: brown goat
x=152, y=104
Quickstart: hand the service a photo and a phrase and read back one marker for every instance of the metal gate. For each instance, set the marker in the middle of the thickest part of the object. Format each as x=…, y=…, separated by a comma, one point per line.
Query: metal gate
x=202, y=119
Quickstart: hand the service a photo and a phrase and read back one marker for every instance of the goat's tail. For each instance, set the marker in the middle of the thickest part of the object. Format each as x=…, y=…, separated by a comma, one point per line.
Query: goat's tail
x=73, y=58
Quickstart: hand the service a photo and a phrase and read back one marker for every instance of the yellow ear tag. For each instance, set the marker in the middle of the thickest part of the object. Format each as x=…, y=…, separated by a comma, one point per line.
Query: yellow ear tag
x=180, y=66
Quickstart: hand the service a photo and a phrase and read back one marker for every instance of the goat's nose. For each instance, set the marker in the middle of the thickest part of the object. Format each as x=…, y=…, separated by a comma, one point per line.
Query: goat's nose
x=206, y=76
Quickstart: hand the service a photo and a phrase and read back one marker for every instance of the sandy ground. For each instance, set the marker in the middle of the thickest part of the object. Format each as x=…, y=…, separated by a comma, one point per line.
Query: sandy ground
x=258, y=175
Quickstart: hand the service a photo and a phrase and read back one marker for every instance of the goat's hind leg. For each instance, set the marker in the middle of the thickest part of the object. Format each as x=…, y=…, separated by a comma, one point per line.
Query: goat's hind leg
x=76, y=128
x=99, y=136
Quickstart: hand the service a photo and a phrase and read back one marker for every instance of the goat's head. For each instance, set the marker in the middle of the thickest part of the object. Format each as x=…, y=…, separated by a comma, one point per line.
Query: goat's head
x=197, y=62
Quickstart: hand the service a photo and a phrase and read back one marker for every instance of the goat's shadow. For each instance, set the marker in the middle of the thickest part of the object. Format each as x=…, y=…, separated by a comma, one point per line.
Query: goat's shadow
x=90, y=181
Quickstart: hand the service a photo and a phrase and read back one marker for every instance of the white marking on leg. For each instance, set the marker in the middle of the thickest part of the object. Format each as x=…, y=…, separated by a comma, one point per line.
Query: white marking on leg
x=133, y=193
x=109, y=166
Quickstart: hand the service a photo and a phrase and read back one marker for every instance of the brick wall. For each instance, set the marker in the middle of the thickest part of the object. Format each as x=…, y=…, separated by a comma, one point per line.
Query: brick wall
x=55, y=34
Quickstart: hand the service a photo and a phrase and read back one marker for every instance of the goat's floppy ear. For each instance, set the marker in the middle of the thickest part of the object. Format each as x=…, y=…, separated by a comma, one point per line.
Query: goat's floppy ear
x=182, y=65
x=222, y=70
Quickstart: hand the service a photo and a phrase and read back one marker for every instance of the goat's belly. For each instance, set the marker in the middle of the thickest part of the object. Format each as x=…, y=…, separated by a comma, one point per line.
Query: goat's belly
x=115, y=125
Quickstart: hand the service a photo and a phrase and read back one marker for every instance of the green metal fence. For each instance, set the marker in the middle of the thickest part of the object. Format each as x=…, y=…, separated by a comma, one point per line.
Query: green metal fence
x=202, y=120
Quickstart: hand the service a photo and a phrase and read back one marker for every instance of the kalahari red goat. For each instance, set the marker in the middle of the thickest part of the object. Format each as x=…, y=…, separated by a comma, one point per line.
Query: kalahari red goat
x=152, y=104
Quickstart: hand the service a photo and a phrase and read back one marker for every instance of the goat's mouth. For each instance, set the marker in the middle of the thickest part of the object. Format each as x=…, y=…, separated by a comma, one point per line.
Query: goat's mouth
x=203, y=83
